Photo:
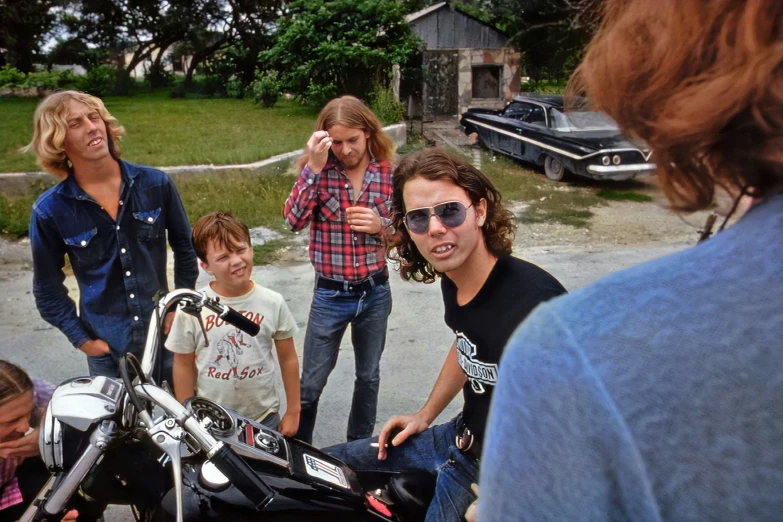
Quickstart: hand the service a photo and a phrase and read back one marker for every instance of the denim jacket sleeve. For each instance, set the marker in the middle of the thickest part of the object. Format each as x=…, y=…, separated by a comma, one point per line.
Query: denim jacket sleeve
x=179, y=234
x=51, y=295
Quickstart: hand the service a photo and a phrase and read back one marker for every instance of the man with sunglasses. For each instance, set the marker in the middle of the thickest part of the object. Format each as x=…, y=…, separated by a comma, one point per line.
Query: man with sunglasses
x=453, y=225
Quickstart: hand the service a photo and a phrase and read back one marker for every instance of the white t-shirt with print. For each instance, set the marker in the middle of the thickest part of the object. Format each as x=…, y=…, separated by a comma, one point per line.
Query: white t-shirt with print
x=236, y=370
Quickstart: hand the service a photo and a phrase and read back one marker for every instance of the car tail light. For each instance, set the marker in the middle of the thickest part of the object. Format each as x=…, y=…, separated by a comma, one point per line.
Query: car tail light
x=605, y=160
x=616, y=159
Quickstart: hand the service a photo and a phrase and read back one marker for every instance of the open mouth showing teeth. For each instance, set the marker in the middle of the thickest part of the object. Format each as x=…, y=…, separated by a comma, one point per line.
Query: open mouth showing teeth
x=443, y=249
x=95, y=142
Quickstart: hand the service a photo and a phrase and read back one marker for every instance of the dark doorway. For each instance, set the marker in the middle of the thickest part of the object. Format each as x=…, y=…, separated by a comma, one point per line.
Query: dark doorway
x=486, y=82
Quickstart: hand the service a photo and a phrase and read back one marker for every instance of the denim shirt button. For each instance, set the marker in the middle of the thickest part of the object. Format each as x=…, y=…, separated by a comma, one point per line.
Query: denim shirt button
x=84, y=243
x=150, y=219
x=122, y=251
x=127, y=273
x=118, y=227
x=132, y=296
x=135, y=317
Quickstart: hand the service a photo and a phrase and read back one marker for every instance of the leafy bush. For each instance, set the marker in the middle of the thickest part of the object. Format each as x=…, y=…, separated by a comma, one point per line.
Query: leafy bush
x=235, y=88
x=385, y=106
x=99, y=81
x=266, y=88
x=42, y=80
x=318, y=95
x=158, y=76
x=545, y=86
x=11, y=77
x=212, y=85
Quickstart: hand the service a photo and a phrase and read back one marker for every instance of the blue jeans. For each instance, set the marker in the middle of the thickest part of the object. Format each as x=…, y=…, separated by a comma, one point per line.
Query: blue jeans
x=107, y=365
x=330, y=314
x=433, y=451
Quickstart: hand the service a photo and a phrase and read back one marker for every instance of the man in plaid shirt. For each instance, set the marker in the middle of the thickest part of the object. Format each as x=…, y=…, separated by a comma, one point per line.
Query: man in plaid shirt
x=344, y=194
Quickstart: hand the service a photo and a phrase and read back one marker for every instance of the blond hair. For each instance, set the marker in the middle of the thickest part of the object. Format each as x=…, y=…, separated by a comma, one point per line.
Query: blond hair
x=352, y=113
x=221, y=227
x=50, y=127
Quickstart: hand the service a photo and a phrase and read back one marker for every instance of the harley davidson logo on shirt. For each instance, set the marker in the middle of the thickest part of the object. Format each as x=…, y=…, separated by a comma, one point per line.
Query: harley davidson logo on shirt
x=478, y=373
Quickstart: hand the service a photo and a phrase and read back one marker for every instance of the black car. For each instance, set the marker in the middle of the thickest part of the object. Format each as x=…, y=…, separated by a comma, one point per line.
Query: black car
x=535, y=128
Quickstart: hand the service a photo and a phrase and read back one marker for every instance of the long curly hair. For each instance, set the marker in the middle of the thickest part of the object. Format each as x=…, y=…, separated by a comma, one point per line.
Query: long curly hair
x=353, y=113
x=701, y=82
x=433, y=164
x=50, y=127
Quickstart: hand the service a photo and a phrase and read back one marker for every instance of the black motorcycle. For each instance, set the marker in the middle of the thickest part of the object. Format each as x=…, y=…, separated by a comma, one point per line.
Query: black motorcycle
x=128, y=441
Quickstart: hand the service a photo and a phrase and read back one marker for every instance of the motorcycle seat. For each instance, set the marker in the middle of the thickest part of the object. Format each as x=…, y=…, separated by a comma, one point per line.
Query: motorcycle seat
x=412, y=492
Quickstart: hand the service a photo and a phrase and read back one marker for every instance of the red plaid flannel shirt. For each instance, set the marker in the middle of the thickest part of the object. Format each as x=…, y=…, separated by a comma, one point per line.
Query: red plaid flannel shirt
x=320, y=200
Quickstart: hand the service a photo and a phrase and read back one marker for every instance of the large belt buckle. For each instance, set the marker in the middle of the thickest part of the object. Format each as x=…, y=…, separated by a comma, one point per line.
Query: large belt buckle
x=464, y=440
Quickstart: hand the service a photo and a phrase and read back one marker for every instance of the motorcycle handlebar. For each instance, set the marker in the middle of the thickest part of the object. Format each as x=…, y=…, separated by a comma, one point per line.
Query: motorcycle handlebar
x=234, y=318
x=242, y=476
x=238, y=472
x=196, y=299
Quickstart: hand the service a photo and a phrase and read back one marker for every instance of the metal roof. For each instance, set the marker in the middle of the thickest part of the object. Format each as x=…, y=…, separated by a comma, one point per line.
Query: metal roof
x=424, y=12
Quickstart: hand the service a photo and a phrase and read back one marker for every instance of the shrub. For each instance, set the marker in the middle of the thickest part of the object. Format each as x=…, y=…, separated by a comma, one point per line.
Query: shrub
x=545, y=86
x=211, y=85
x=42, y=80
x=158, y=76
x=385, y=106
x=104, y=80
x=124, y=84
x=266, y=88
x=99, y=81
x=235, y=88
x=319, y=95
x=11, y=77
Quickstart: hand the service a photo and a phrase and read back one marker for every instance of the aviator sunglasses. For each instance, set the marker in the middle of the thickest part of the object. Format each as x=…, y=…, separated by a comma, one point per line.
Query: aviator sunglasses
x=451, y=214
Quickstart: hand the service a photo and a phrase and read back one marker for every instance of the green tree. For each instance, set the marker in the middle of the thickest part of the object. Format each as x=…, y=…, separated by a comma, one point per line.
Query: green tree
x=145, y=28
x=23, y=24
x=551, y=34
x=327, y=47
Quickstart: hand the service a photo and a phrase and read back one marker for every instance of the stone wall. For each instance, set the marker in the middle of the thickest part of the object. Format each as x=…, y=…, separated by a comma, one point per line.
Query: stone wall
x=507, y=58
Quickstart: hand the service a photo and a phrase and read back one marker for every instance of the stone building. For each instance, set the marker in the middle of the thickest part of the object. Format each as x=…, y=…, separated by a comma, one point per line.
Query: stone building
x=465, y=63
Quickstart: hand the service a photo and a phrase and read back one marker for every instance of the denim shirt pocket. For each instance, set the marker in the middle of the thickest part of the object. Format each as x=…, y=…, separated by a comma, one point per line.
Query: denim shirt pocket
x=85, y=249
x=148, y=224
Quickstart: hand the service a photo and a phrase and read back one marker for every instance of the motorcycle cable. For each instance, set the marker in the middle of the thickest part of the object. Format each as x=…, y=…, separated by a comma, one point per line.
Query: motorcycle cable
x=130, y=359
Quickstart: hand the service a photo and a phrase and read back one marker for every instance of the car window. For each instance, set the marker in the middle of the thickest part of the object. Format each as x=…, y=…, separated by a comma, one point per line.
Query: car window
x=537, y=116
x=517, y=111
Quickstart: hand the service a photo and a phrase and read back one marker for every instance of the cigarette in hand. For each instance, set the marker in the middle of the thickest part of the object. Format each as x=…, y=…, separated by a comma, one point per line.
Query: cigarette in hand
x=375, y=445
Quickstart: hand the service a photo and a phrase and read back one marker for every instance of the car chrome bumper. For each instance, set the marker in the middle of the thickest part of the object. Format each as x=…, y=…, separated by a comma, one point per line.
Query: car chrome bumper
x=620, y=171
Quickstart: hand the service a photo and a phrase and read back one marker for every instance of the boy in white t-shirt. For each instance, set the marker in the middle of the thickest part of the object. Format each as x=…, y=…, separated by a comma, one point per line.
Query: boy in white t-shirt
x=232, y=368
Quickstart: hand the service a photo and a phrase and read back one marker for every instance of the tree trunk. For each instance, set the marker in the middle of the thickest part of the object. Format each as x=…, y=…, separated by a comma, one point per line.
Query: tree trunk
x=142, y=52
x=199, y=56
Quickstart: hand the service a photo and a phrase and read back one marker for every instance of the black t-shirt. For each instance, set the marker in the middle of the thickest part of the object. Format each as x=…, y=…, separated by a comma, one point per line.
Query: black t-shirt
x=512, y=290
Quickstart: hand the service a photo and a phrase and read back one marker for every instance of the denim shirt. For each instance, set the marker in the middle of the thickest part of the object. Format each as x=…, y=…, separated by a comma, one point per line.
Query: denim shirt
x=119, y=265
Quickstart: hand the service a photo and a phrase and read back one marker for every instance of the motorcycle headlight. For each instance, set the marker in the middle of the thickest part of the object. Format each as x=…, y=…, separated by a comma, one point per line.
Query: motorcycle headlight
x=50, y=441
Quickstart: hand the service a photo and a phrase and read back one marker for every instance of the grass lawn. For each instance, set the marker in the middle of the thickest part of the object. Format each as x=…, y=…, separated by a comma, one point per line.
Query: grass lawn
x=162, y=132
